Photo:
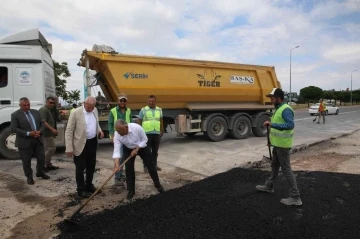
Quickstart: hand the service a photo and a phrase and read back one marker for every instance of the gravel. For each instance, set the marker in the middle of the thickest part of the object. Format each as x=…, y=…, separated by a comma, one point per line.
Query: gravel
x=228, y=206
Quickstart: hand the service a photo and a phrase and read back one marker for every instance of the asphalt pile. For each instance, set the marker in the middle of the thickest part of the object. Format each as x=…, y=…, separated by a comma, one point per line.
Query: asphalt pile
x=228, y=206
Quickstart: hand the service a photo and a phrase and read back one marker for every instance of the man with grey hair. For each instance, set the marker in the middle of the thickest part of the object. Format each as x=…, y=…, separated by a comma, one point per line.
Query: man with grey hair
x=133, y=139
x=81, y=139
x=29, y=128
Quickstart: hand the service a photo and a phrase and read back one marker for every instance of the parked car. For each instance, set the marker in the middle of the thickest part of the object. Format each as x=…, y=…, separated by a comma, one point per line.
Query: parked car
x=330, y=109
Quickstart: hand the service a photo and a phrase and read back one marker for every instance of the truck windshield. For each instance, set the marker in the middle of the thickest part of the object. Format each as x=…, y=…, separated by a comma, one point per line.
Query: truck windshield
x=3, y=76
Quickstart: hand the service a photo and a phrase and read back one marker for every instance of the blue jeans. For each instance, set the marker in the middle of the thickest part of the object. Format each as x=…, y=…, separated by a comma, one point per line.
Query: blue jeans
x=120, y=173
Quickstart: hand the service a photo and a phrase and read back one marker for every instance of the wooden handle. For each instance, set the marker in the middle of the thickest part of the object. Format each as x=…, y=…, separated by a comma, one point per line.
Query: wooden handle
x=268, y=139
x=97, y=190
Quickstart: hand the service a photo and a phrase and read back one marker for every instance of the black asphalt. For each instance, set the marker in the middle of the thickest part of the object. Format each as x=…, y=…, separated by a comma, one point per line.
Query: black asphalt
x=227, y=206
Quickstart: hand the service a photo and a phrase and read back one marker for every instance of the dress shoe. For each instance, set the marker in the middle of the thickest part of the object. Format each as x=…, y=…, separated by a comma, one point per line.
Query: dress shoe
x=84, y=194
x=42, y=175
x=160, y=188
x=130, y=195
x=51, y=167
x=30, y=181
x=92, y=189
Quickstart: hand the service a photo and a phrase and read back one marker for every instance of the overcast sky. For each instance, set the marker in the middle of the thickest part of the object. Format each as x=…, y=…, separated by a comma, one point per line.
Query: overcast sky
x=247, y=31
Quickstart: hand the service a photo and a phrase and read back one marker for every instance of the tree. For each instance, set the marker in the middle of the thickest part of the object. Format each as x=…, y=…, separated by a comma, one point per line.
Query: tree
x=61, y=72
x=311, y=93
x=329, y=95
x=65, y=97
x=73, y=96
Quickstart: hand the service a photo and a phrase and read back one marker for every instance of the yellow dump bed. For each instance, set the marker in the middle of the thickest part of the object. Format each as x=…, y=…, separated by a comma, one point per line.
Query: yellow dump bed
x=181, y=83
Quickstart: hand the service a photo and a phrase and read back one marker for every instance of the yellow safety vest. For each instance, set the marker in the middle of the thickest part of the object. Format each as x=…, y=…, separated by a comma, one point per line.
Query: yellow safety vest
x=151, y=122
x=281, y=138
x=127, y=116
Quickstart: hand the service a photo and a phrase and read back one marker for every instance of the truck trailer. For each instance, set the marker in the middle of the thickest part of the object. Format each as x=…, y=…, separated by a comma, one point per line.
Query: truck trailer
x=214, y=98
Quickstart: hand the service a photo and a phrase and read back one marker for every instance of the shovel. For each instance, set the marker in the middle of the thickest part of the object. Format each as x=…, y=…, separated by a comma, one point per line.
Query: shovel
x=71, y=220
x=316, y=115
x=269, y=159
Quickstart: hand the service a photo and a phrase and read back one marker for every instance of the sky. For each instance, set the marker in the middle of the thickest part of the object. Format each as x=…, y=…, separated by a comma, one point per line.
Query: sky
x=260, y=32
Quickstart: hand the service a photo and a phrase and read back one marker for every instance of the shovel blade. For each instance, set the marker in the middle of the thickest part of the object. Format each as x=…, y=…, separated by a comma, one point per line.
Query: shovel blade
x=266, y=158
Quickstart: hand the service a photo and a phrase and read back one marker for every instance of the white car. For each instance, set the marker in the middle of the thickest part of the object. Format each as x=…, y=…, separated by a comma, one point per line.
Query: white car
x=330, y=109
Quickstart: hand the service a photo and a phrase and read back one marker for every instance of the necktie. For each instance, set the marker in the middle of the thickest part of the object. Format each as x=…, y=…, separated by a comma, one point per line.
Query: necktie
x=30, y=120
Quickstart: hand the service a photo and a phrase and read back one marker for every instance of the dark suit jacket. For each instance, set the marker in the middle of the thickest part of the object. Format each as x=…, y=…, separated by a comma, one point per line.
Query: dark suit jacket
x=20, y=125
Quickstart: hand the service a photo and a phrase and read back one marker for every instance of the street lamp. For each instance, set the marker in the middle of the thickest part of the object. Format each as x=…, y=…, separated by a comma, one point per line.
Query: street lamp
x=351, y=88
x=290, y=71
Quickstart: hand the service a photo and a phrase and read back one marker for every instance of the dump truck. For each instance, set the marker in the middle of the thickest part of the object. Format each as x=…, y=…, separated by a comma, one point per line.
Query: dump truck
x=214, y=98
x=209, y=97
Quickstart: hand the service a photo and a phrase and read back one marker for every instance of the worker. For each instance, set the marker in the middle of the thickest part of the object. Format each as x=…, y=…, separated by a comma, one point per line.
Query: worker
x=321, y=111
x=151, y=119
x=121, y=111
x=281, y=138
x=73, y=109
x=50, y=115
x=133, y=140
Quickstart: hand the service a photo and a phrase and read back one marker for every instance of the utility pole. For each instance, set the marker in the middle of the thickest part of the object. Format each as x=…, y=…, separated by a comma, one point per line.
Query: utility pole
x=290, y=73
x=351, y=88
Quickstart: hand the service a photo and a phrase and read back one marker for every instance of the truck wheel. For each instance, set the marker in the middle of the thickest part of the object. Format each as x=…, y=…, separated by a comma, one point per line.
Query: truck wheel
x=217, y=128
x=260, y=129
x=241, y=128
x=7, y=144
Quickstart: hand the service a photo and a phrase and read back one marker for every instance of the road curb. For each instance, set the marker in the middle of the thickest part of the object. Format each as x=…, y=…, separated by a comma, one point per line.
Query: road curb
x=299, y=148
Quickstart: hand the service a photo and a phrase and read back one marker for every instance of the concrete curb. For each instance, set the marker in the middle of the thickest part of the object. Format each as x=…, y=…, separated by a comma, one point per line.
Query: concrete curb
x=301, y=147
x=298, y=148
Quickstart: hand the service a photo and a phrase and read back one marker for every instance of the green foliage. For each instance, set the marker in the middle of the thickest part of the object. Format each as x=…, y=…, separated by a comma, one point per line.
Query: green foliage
x=61, y=72
x=73, y=96
x=311, y=93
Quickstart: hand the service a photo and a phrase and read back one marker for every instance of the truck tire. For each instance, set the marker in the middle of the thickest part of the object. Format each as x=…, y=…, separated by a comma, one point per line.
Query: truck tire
x=241, y=128
x=217, y=128
x=260, y=129
x=7, y=144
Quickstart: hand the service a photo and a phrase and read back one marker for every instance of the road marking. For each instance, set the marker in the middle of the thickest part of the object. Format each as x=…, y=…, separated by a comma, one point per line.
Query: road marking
x=339, y=114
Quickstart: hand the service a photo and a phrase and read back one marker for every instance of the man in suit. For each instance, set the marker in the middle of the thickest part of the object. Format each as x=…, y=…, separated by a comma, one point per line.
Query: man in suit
x=81, y=143
x=27, y=125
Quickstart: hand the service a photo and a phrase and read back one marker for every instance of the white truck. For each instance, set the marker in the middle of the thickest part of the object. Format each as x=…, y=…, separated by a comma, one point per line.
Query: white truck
x=26, y=70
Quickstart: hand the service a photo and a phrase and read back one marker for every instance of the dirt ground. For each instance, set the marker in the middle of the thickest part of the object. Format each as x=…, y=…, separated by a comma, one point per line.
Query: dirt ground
x=28, y=213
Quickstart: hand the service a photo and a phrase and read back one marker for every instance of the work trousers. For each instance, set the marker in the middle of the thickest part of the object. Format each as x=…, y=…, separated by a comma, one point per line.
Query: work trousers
x=50, y=148
x=154, y=144
x=35, y=148
x=281, y=158
x=120, y=174
x=86, y=160
x=145, y=154
x=322, y=114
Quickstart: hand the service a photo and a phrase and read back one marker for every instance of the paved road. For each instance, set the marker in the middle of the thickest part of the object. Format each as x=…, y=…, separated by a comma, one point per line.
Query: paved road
x=202, y=156
x=199, y=155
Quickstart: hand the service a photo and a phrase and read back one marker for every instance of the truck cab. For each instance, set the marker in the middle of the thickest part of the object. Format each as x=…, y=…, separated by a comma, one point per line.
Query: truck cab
x=26, y=70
